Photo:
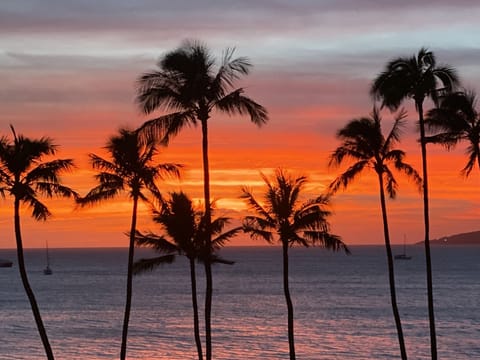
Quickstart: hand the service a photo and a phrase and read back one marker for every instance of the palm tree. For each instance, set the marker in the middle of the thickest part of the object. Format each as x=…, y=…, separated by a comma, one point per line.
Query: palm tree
x=24, y=176
x=189, y=83
x=457, y=120
x=282, y=217
x=131, y=170
x=363, y=141
x=184, y=230
x=417, y=77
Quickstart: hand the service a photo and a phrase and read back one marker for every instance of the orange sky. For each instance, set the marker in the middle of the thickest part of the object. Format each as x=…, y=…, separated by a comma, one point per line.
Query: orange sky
x=75, y=82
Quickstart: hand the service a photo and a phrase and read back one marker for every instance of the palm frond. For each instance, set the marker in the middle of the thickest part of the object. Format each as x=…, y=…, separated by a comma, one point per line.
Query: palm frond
x=49, y=189
x=156, y=90
x=229, y=71
x=253, y=204
x=157, y=242
x=391, y=184
x=256, y=228
x=393, y=84
x=396, y=130
x=146, y=265
x=411, y=173
x=326, y=240
x=342, y=181
x=108, y=179
x=347, y=150
x=164, y=127
x=5, y=177
x=473, y=157
x=168, y=170
x=101, y=164
x=236, y=103
x=39, y=210
x=219, y=241
x=313, y=218
x=49, y=171
x=99, y=194
x=448, y=78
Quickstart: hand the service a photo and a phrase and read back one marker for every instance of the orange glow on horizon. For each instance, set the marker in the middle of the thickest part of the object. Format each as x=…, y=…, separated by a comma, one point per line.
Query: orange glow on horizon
x=235, y=163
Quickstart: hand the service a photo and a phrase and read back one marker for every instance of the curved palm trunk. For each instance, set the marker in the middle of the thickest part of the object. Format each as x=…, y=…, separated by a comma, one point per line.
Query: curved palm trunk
x=26, y=284
x=391, y=274
x=286, y=290
x=208, y=265
x=128, y=302
x=428, y=261
x=196, y=326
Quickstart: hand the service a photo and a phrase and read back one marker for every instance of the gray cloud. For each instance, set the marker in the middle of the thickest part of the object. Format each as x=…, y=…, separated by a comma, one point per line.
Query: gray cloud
x=226, y=15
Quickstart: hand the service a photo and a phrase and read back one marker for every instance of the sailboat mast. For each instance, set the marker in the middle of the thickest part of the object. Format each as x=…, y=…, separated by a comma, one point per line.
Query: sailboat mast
x=46, y=249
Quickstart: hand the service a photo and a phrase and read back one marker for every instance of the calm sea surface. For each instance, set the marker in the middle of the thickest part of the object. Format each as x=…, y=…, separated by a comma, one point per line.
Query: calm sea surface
x=342, y=307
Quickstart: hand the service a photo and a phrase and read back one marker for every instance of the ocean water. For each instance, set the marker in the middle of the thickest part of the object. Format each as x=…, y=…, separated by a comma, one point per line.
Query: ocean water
x=342, y=307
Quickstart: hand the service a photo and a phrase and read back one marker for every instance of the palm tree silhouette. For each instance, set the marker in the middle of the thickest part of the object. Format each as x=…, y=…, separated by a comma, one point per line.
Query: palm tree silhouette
x=130, y=169
x=189, y=84
x=184, y=234
x=24, y=176
x=418, y=78
x=284, y=218
x=363, y=142
x=457, y=120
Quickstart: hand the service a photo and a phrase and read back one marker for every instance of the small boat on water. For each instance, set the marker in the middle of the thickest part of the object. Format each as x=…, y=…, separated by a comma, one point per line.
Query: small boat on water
x=4, y=263
x=47, y=270
x=404, y=255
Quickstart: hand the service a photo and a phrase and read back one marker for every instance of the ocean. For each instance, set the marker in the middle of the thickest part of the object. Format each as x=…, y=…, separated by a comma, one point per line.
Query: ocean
x=341, y=303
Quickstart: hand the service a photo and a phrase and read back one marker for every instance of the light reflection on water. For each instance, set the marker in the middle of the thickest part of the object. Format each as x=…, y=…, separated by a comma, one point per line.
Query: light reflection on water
x=342, y=308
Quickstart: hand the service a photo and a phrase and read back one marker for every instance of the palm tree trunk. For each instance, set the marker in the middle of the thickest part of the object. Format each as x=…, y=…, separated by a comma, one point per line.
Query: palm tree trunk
x=428, y=261
x=208, y=265
x=26, y=284
x=196, y=326
x=286, y=290
x=208, y=310
x=128, y=302
x=391, y=275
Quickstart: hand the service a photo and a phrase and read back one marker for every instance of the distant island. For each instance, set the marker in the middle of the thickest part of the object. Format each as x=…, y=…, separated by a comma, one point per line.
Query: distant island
x=469, y=238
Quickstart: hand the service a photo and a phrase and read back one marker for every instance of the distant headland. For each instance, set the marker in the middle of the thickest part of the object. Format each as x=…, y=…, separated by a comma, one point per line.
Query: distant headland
x=469, y=238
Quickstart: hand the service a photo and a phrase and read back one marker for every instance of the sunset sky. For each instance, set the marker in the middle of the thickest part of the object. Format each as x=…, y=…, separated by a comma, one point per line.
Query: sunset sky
x=68, y=71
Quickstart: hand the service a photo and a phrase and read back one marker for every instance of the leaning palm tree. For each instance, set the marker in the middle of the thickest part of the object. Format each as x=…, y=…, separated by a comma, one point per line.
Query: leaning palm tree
x=284, y=218
x=417, y=77
x=190, y=86
x=131, y=169
x=457, y=119
x=24, y=176
x=363, y=142
x=184, y=234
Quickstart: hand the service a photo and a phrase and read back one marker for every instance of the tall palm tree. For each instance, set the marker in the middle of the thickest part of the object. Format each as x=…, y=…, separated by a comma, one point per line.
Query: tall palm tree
x=189, y=83
x=417, y=77
x=457, y=120
x=184, y=234
x=130, y=169
x=363, y=141
x=284, y=218
x=25, y=176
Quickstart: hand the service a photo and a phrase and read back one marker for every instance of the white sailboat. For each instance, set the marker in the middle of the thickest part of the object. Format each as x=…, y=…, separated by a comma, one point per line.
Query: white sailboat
x=47, y=270
x=404, y=255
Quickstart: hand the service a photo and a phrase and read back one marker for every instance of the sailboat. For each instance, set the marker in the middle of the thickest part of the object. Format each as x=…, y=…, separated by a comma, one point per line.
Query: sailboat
x=47, y=270
x=4, y=263
x=404, y=255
